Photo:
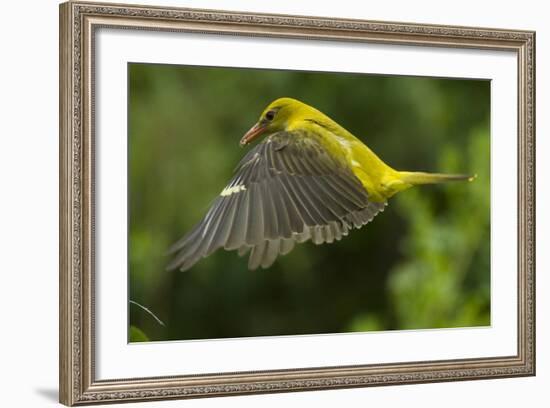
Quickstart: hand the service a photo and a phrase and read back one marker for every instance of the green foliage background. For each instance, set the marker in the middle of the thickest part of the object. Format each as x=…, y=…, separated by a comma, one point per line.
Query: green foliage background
x=423, y=263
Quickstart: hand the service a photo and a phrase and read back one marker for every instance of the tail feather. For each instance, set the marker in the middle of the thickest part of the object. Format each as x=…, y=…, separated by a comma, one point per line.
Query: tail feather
x=416, y=178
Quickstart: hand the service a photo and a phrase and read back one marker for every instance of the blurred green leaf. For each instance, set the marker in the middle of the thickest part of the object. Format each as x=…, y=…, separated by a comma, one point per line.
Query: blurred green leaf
x=137, y=335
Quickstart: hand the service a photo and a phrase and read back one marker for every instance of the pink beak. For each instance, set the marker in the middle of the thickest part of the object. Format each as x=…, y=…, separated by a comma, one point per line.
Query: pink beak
x=252, y=134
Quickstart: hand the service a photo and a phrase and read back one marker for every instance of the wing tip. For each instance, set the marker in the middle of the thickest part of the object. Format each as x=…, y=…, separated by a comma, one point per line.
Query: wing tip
x=173, y=265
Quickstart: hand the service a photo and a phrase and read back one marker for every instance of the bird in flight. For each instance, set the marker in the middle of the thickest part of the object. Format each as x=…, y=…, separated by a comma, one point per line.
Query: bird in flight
x=309, y=179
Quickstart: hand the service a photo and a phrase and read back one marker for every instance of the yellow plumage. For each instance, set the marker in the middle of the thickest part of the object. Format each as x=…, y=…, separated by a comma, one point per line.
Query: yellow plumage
x=380, y=180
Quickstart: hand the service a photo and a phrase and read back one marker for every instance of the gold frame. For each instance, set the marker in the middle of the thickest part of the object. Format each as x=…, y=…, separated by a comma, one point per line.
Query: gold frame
x=78, y=22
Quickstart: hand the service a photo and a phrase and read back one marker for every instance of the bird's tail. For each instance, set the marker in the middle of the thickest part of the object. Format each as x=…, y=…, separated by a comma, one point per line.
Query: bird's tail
x=416, y=178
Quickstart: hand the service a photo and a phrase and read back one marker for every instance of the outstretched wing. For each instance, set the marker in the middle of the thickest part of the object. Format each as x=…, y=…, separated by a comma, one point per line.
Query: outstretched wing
x=287, y=189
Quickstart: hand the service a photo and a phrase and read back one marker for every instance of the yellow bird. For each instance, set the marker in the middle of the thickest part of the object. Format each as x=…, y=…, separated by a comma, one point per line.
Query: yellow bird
x=309, y=179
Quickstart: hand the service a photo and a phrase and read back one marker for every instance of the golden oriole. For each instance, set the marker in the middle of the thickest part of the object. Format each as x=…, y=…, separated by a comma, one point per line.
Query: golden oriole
x=309, y=179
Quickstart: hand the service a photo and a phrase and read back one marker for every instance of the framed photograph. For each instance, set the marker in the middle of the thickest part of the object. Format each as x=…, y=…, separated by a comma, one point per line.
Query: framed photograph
x=256, y=203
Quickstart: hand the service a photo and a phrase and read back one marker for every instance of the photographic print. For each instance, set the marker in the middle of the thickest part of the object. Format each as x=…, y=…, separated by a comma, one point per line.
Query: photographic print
x=279, y=202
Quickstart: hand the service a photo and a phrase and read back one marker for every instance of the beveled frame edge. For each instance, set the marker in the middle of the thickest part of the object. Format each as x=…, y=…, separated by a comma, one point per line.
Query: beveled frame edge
x=78, y=20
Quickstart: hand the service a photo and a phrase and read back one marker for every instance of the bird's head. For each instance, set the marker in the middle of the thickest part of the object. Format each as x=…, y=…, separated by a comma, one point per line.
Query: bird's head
x=278, y=115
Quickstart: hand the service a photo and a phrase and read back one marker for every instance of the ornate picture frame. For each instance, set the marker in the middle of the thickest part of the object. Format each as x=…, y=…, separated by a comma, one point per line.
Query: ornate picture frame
x=79, y=22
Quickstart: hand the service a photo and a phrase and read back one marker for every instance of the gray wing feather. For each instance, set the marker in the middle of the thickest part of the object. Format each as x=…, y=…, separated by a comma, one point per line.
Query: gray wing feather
x=286, y=246
x=256, y=255
x=271, y=216
x=237, y=235
x=271, y=253
x=286, y=190
x=255, y=231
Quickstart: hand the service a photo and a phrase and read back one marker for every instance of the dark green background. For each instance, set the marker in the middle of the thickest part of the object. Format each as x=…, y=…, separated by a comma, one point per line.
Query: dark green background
x=422, y=263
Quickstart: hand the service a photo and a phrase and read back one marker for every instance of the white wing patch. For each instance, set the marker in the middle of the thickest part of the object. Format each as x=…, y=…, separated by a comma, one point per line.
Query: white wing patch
x=232, y=190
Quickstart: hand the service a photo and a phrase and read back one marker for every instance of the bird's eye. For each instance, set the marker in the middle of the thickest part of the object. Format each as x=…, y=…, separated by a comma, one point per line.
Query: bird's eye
x=270, y=115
